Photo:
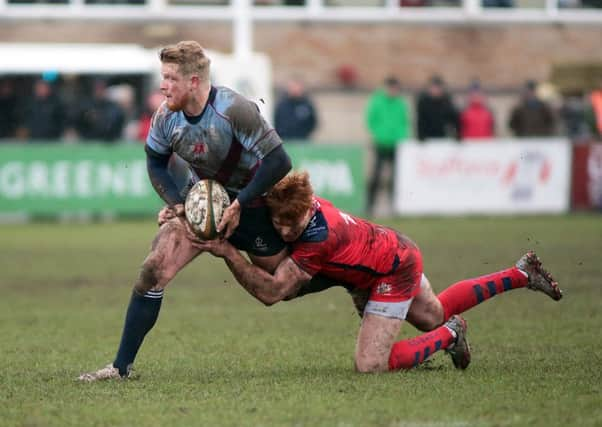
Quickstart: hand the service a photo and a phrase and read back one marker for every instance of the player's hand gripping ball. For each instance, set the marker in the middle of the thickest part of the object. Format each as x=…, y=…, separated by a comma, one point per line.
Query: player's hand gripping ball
x=204, y=207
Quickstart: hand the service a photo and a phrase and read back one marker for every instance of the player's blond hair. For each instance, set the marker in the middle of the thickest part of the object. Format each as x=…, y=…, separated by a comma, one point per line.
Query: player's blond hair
x=291, y=198
x=189, y=56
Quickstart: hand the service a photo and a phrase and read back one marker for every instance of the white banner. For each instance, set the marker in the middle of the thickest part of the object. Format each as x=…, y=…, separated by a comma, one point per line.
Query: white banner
x=501, y=177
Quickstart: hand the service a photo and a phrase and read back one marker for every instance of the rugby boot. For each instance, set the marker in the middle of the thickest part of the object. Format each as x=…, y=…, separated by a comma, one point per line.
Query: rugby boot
x=539, y=279
x=460, y=350
x=109, y=372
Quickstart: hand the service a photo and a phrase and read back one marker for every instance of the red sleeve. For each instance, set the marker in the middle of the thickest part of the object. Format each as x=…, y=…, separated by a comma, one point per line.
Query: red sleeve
x=309, y=256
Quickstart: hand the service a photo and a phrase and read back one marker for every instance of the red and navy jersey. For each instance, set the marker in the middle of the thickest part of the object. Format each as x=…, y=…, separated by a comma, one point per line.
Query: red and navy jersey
x=353, y=250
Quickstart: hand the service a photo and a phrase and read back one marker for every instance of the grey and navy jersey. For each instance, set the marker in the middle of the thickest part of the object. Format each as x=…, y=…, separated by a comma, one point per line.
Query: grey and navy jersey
x=226, y=142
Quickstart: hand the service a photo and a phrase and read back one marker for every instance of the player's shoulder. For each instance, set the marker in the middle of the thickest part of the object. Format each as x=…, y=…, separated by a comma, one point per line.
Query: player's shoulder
x=234, y=106
x=325, y=206
x=317, y=228
x=161, y=115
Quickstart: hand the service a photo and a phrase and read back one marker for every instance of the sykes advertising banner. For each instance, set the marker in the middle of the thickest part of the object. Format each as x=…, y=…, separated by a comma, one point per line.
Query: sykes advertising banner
x=587, y=176
x=501, y=177
x=57, y=179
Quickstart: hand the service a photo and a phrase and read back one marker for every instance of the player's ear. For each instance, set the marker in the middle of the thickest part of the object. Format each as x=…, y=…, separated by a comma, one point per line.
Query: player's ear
x=194, y=81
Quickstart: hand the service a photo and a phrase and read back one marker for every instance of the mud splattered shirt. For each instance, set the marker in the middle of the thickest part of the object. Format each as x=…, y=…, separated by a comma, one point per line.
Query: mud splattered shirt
x=226, y=142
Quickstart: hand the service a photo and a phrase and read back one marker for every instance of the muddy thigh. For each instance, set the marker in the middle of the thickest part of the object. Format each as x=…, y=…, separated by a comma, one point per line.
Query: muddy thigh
x=170, y=252
x=426, y=312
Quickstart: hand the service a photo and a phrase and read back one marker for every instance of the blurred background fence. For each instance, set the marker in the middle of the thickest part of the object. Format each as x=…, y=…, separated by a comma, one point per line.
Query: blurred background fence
x=78, y=85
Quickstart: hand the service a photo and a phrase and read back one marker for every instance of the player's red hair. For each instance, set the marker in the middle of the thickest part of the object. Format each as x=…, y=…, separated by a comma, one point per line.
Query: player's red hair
x=291, y=198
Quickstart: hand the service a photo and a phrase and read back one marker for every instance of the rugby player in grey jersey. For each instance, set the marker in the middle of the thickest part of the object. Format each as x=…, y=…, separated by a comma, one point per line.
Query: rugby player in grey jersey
x=216, y=133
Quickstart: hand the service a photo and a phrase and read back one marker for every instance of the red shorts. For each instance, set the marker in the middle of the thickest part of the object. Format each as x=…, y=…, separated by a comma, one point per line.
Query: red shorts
x=391, y=296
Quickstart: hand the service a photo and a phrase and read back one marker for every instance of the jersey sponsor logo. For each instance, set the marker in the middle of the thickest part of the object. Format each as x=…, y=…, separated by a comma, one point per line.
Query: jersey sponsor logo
x=316, y=230
x=260, y=244
x=383, y=288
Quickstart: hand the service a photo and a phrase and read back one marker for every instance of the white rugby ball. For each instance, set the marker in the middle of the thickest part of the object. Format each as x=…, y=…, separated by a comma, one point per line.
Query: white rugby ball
x=204, y=207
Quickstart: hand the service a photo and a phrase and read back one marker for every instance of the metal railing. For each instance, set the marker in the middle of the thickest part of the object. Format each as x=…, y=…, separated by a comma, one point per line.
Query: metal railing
x=462, y=12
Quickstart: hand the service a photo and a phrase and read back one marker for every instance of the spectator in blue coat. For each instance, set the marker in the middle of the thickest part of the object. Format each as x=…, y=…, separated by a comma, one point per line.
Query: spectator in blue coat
x=295, y=115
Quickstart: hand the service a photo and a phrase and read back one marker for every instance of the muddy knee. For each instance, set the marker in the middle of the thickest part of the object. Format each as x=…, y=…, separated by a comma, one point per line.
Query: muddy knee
x=367, y=365
x=170, y=252
x=148, y=278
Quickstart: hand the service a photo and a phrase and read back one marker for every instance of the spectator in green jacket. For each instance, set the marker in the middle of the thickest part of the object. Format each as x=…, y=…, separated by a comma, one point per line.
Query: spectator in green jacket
x=388, y=122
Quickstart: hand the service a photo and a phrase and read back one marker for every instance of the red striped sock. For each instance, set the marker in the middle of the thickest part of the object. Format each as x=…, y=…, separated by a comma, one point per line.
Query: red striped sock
x=410, y=353
x=464, y=295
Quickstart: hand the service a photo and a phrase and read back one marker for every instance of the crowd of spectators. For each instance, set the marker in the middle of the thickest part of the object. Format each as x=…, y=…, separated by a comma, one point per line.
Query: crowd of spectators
x=101, y=110
x=576, y=115
x=46, y=109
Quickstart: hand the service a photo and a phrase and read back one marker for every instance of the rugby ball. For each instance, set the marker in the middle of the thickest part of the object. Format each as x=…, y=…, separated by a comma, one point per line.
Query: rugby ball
x=204, y=207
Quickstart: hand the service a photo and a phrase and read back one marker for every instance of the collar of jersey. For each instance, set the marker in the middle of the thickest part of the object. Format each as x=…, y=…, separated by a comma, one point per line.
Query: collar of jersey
x=195, y=119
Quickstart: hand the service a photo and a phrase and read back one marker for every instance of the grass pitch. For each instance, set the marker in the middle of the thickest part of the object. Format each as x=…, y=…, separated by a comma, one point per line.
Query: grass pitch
x=218, y=358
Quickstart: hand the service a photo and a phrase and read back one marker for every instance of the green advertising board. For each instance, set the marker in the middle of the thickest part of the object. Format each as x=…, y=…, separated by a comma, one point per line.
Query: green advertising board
x=64, y=179
x=336, y=172
x=53, y=179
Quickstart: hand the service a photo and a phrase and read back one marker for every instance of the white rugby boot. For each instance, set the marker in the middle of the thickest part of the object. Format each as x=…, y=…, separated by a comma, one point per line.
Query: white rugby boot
x=109, y=372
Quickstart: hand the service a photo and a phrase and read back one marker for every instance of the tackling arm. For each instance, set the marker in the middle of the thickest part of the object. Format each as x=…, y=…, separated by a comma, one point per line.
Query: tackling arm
x=267, y=288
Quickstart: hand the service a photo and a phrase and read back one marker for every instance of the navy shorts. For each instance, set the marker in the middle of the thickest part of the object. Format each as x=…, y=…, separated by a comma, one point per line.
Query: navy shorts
x=255, y=233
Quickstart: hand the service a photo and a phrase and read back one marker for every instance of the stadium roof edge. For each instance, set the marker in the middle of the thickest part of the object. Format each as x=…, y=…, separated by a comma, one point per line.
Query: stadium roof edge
x=34, y=58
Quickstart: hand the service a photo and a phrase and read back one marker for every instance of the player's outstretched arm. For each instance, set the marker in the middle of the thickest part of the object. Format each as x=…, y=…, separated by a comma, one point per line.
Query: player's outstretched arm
x=267, y=288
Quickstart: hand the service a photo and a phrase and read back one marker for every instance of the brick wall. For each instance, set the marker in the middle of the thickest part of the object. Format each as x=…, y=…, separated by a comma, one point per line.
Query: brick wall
x=501, y=55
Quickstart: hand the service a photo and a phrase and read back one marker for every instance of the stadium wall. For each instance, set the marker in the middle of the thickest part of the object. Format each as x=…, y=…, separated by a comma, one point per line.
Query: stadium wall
x=318, y=51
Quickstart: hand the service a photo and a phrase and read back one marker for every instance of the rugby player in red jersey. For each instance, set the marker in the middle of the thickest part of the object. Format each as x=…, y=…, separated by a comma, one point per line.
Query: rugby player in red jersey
x=381, y=263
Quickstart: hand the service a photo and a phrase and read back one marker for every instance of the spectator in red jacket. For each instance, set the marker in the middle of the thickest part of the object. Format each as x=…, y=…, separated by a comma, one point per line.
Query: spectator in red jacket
x=153, y=102
x=476, y=120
